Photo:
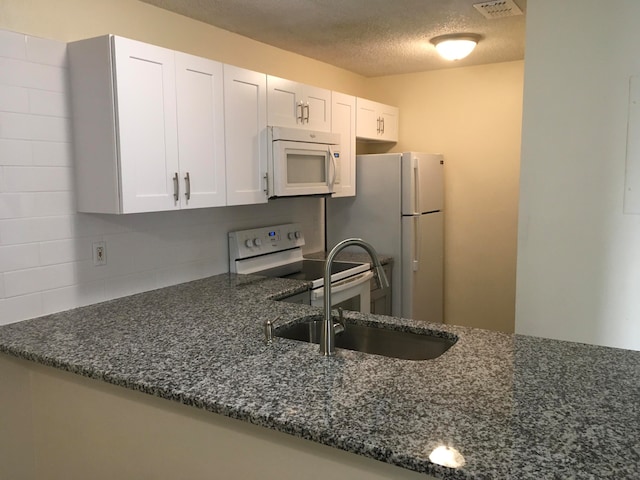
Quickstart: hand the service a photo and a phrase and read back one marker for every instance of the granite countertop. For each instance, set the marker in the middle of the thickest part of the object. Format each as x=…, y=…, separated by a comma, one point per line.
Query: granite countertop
x=514, y=407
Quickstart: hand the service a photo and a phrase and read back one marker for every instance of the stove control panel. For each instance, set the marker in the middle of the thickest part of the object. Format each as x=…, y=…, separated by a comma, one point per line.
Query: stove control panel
x=260, y=241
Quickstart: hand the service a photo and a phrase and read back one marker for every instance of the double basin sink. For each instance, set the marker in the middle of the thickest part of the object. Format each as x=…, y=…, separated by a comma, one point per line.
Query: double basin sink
x=372, y=339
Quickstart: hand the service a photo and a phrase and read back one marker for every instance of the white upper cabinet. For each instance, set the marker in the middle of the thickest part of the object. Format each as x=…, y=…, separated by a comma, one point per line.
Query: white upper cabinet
x=343, y=121
x=148, y=127
x=156, y=129
x=199, y=87
x=245, y=112
x=376, y=121
x=293, y=104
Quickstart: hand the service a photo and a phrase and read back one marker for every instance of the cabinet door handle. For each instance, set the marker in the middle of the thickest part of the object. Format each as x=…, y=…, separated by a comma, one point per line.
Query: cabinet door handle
x=306, y=108
x=299, y=116
x=176, y=188
x=378, y=125
x=187, y=184
x=382, y=123
x=266, y=183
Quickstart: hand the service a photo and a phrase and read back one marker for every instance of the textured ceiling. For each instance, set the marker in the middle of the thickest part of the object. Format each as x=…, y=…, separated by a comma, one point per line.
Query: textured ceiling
x=369, y=37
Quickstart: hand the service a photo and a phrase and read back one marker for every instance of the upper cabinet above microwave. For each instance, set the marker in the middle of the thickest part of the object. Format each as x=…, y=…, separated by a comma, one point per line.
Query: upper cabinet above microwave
x=376, y=121
x=148, y=127
x=292, y=104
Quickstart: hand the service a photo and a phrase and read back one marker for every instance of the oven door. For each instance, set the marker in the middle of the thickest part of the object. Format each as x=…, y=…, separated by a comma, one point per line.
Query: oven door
x=353, y=293
x=301, y=168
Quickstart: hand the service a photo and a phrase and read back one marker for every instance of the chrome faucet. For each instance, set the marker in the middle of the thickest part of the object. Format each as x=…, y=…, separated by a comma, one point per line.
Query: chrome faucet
x=328, y=333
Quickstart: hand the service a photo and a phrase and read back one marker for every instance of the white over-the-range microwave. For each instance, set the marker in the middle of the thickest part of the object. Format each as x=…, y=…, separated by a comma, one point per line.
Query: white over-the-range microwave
x=302, y=162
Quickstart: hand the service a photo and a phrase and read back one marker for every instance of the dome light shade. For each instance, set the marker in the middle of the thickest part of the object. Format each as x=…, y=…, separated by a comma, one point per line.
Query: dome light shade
x=456, y=46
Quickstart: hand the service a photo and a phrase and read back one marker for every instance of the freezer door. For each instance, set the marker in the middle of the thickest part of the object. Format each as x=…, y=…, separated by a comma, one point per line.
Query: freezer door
x=423, y=267
x=422, y=183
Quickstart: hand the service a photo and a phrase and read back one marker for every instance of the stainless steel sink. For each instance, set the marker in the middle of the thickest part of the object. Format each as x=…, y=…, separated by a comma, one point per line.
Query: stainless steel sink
x=372, y=339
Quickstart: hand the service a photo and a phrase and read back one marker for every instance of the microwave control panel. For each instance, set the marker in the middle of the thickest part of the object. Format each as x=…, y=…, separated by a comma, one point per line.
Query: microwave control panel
x=260, y=241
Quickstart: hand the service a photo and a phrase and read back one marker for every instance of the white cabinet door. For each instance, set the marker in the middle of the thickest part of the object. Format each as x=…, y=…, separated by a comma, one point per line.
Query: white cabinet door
x=285, y=102
x=245, y=113
x=376, y=121
x=343, y=121
x=199, y=95
x=146, y=125
x=293, y=104
x=367, y=120
x=316, y=108
x=389, y=119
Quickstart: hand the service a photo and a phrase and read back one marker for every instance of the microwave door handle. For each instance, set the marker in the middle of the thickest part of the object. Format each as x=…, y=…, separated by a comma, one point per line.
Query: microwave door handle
x=334, y=166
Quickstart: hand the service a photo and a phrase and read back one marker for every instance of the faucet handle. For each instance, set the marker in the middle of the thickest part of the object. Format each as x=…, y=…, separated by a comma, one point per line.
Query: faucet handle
x=340, y=326
x=268, y=329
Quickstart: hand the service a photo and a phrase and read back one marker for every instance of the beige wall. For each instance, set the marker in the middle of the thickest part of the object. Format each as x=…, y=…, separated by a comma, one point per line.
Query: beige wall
x=578, y=255
x=69, y=20
x=473, y=116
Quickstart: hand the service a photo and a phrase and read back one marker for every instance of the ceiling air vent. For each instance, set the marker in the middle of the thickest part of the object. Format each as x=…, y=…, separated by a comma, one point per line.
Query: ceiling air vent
x=498, y=9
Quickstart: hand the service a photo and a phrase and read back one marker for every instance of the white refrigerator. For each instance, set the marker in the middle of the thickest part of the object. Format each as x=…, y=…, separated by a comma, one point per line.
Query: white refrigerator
x=399, y=209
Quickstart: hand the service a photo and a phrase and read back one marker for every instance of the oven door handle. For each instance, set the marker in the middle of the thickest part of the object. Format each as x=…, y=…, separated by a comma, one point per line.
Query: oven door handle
x=345, y=284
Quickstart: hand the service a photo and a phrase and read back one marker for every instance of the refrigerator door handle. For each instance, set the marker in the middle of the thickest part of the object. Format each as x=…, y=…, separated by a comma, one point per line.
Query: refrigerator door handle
x=416, y=186
x=415, y=263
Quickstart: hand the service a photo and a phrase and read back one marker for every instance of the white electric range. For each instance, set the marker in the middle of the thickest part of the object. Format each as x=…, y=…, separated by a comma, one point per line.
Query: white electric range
x=276, y=251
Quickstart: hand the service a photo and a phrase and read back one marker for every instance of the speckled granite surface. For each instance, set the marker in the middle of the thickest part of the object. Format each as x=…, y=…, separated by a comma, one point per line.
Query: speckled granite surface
x=514, y=407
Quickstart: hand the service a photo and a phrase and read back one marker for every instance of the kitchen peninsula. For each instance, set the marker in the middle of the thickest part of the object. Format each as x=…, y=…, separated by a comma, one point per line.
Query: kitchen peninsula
x=501, y=406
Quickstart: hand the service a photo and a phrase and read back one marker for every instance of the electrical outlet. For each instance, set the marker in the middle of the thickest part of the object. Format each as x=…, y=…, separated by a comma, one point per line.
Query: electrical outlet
x=99, y=253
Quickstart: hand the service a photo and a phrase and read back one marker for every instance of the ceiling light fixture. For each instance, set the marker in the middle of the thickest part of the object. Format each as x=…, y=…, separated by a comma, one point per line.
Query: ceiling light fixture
x=455, y=46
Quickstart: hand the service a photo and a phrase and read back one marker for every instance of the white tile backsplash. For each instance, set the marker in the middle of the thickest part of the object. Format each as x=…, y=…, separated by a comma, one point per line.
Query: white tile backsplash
x=20, y=308
x=21, y=282
x=40, y=50
x=26, y=230
x=46, y=260
x=186, y=272
x=15, y=152
x=40, y=204
x=52, y=154
x=18, y=257
x=116, y=287
x=20, y=73
x=78, y=295
x=14, y=99
x=36, y=179
x=21, y=126
x=42, y=102
x=13, y=45
x=65, y=251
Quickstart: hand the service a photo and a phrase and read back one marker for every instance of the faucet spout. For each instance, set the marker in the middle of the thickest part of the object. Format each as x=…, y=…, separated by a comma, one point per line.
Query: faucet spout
x=328, y=334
